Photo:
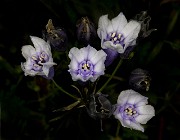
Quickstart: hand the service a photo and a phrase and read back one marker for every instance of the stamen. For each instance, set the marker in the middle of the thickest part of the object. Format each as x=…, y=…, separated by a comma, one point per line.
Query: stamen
x=134, y=112
x=115, y=39
x=41, y=59
x=130, y=111
x=34, y=58
x=119, y=36
x=86, y=66
x=113, y=34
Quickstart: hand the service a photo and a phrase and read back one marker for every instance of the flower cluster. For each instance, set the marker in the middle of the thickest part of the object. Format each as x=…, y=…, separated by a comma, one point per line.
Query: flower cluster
x=118, y=38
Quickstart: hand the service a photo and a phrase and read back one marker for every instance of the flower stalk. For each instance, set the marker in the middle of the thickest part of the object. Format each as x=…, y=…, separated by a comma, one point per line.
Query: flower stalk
x=61, y=89
x=112, y=75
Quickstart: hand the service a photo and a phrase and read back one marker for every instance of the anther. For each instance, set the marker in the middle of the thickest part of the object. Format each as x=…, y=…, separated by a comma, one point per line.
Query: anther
x=119, y=36
x=41, y=59
x=113, y=34
x=115, y=39
x=34, y=58
x=134, y=112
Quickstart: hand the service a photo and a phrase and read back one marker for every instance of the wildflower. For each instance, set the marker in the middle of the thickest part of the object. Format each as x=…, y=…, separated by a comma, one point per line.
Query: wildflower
x=86, y=63
x=132, y=110
x=55, y=36
x=39, y=59
x=118, y=34
x=140, y=80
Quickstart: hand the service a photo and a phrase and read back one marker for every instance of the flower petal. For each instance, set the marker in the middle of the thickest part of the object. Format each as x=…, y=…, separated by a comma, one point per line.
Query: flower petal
x=132, y=125
x=109, y=44
x=136, y=98
x=40, y=44
x=119, y=22
x=98, y=56
x=46, y=70
x=146, y=110
x=28, y=51
x=27, y=69
x=143, y=118
x=130, y=32
x=132, y=28
x=102, y=24
x=99, y=67
x=73, y=64
x=124, y=96
x=109, y=28
x=76, y=54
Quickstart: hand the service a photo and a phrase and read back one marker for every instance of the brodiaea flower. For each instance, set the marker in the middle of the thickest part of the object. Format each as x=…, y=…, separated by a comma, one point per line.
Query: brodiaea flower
x=118, y=34
x=39, y=59
x=132, y=110
x=86, y=63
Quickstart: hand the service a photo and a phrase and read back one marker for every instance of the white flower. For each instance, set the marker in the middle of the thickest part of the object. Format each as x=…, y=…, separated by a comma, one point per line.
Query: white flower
x=132, y=110
x=39, y=59
x=118, y=34
x=86, y=63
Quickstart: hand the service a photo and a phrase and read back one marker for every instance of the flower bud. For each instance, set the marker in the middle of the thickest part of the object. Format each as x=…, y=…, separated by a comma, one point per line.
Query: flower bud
x=55, y=36
x=85, y=30
x=139, y=80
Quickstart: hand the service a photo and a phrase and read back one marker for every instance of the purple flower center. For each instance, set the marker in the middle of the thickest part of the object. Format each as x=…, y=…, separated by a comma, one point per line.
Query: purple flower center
x=128, y=111
x=37, y=61
x=115, y=38
x=86, y=68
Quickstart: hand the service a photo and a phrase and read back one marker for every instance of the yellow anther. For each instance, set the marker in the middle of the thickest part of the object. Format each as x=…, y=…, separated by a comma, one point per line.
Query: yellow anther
x=119, y=36
x=130, y=113
x=130, y=110
x=115, y=39
x=41, y=59
x=85, y=66
x=33, y=57
x=113, y=34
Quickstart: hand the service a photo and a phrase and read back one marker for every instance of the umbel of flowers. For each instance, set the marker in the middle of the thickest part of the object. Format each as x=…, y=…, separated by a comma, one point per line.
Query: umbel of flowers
x=118, y=37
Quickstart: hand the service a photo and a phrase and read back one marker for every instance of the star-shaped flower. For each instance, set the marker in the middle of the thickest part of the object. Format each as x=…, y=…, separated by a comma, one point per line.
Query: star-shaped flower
x=86, y=63
x=132, y=110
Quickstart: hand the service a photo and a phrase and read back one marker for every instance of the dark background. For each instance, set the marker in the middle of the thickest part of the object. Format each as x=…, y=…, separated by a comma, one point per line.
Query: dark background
x=27, y=103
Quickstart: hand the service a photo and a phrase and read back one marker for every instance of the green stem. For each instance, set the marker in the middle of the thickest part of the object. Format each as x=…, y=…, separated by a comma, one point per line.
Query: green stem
x=61, y=89
x=105, y=84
